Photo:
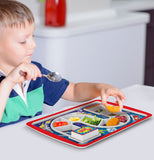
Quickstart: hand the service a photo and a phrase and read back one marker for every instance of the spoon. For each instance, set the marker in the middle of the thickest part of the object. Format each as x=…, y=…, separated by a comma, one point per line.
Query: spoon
x=52, y=76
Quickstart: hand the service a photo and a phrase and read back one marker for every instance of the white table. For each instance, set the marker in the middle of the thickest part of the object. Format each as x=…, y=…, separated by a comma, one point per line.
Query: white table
x=20, y=142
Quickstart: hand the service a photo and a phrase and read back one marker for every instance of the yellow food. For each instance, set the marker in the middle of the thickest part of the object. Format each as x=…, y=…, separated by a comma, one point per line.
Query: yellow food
x=74, y=119
x=112, y=122
x=113, y=109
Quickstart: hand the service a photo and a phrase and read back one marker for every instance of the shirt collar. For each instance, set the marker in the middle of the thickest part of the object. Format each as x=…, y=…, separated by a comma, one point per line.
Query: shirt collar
x=23, y=94
x=2, y=73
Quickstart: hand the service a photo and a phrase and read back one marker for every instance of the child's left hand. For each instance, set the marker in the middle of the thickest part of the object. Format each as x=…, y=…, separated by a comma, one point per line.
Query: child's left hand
x=108, y=90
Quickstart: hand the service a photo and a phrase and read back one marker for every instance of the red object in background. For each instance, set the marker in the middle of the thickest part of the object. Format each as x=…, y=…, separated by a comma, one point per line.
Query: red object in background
x=55, y=13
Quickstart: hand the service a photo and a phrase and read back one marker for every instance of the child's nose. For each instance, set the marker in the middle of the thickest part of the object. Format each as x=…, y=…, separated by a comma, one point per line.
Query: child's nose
x=32, y=44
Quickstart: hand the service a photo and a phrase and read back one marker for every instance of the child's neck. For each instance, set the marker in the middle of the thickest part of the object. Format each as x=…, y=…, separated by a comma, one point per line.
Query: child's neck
x=6, y=68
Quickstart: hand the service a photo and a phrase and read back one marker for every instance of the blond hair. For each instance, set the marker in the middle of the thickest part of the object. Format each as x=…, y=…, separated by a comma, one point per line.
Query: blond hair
x=14, y=14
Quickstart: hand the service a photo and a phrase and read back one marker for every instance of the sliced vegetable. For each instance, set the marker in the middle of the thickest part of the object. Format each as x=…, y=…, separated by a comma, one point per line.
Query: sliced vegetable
x=94, y=121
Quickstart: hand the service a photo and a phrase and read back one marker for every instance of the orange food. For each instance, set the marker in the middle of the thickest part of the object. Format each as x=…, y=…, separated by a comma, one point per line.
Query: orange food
x=113, y=109
x=112, y=122
x=60, y=123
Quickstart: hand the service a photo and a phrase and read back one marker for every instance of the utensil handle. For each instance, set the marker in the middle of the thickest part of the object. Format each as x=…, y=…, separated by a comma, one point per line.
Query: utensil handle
x=44, y=75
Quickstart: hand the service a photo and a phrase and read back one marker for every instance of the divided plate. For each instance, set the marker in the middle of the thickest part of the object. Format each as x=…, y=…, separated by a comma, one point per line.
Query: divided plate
x=84, y=133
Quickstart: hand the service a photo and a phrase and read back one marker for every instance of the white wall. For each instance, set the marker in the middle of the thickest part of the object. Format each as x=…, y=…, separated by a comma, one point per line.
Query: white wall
x=113, y=56
x=36, y=7
x=73, y=7
x=78, y=6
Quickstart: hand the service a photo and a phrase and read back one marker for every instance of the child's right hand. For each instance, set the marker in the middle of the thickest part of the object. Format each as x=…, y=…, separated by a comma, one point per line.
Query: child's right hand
x=30, y=71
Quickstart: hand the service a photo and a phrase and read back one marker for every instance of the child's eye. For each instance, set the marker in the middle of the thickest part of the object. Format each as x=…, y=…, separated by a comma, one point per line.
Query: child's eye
x=23, y=42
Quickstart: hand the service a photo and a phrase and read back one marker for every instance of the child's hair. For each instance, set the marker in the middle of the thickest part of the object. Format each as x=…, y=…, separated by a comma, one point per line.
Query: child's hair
x=14, y=14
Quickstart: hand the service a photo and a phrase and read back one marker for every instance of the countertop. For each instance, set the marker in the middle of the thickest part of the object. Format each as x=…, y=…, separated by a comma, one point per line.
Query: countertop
x=97, y=23
x=20, y=142
x=118, y=15
x=132, y=5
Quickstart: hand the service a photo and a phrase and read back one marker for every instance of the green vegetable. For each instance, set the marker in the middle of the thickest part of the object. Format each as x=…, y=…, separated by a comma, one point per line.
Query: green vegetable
x=94, y=121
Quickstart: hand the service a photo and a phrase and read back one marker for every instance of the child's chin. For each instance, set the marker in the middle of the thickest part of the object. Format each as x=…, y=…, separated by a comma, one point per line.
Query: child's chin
x=27, y=59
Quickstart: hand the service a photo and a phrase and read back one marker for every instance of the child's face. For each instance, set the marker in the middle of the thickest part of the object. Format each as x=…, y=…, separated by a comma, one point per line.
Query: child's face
x=17, y=45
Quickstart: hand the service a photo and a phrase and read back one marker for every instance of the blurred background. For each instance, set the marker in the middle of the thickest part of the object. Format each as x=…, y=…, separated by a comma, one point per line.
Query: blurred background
x=108, y=41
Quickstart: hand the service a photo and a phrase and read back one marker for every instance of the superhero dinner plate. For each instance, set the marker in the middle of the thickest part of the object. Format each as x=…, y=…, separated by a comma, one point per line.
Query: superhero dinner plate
x=86, y=124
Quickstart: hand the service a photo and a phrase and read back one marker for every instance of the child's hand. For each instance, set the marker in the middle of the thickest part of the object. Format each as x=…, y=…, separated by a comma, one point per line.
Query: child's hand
x=80, y=92
x=30, y=71
x=108, y=90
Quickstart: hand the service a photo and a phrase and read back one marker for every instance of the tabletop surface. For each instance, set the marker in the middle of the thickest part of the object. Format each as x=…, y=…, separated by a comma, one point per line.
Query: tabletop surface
x=20, y=142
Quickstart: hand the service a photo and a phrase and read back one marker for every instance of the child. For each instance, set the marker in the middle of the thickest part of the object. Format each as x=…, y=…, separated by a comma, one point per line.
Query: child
x=21, y=96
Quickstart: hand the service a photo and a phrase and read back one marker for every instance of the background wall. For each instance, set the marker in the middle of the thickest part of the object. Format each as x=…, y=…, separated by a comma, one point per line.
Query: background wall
x=36, y=7
x=74, y=7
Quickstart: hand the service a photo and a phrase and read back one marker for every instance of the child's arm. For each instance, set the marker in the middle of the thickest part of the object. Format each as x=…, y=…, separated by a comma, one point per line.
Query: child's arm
x=13, y=78
x=80, y=92
x=5, y=89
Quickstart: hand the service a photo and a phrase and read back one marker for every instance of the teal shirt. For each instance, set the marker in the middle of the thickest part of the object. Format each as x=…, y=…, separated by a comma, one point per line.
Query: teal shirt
x=16, y=107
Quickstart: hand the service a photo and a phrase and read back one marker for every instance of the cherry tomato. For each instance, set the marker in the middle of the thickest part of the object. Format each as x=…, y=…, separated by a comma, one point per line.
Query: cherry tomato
x=55, y=124
x=64, y=123
x=61, y=123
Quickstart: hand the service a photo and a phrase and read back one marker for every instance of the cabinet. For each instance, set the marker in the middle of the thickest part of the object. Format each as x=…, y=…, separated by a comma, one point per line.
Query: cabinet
x=98, y=50
x=149, y=59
